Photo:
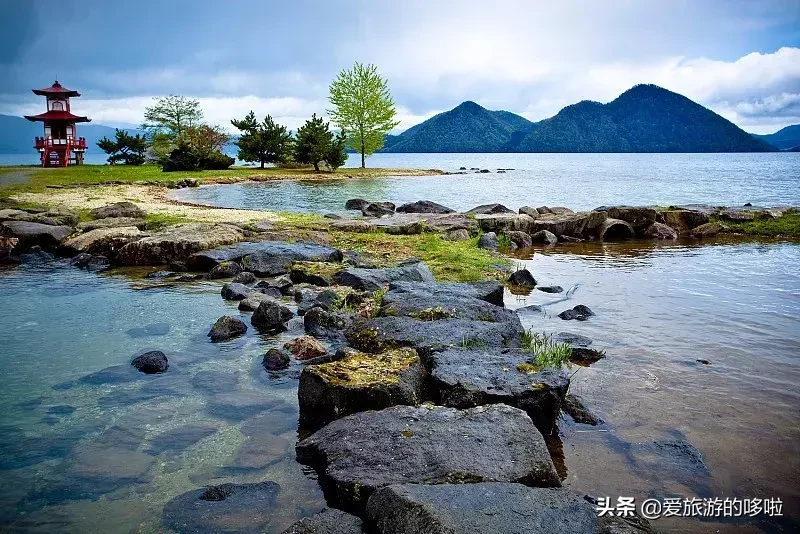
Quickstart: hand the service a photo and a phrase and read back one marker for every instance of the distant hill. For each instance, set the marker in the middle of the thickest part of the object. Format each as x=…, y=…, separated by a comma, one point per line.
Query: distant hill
x=17, y=134
x=786, y=139
x=646, y=118
x=465, y=128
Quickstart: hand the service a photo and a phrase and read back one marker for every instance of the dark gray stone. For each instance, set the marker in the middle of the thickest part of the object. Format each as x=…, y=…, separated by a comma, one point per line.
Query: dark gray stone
x=119, y=209
x=32, y=234
x=522, y=278
x=489, y=209
x=328, y=521
x=378, y=209
x=375, y=279
x=579, y=313
x=267, y=258
x=356, y=204
x=424, y=206
x=436, y=301
x=271, y=315
x=151, y=362
x=550, y=289
x=326, y=324
x=544, y=236
x=246, y=278
x=489, y=241
x=573, y=405
x=276, y=360
x=227, y=327
x=235, y=291
x=521, y=239
x=360, y=453
x=226, y=269
x=489, y=291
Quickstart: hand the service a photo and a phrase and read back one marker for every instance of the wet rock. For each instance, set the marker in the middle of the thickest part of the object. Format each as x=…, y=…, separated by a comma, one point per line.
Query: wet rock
x=378, y=209
x=328, y=521
x=579, y=313
x=530, y=309
x=238, y=405
x=437, y=301
x=105, y=241
x=116, y=374
x=533, y=213
x=29, y=234
x=356, y=204
x=486, y=507
x=305, y=348
x=360, y=381
x=660, y=231
x=582, y=354
x=550, y=289
x=682, y=220
x=254, y=298
x=706, y=230
x=98, y=468
x=562, y=225
x=271, y=315
x=227, y=327
x=112, y=222
x=463, y=378
x=638, y=217
x=223, y=508
x=358, y=454
x=522, y=278
x=90, y=262
x=489, y=241
x=36, y=256
x=178, y=243
x=544, y=236
x=521, y=239
x=424, y=206
x=282, y=283
x=7, y=246
x=319, y=322
x=151, y=362
x=614, y=230
x=276, y=360
x=489, y=209
x=246, y=278
x=308, y=299
x=374, y=279
x=235, y=291
x=354, y=225
x=490, y=291
x=570, y=239
x=181, y=438
x=674, y=460
x=573, y=405
x=119, y=209
x=456, y=235
x=226, y=269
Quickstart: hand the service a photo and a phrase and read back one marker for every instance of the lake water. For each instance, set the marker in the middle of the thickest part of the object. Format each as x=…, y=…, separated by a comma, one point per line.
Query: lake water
x=577, y=181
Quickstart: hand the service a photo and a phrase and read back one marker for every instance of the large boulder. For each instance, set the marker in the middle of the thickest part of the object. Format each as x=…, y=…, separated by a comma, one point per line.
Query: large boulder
x=544, y=236
x=683, y=221
x=505, y=222
x=463, y=378
x=458, y=234
x=226, y=269
x=271, y=316
x=178, y=243
x=638, y=217
x=579, y=313
x=488, y=209
x=533, y=213
x=489, y=241
x=706, y=230
x=360, y=381
x=491, y=507
x=119, y=209
x=360, y=453
x=105, y=241
x=521, y=239
x=328, y=521
x=434, y=302
x=570, y=224
x=227, y=327
x=378, y=209
x=490, y=291
x=30, y=234
x=112, y=222
x=522, y=278
x=267, y=258
x=375, y=279
x=660, y=231
x=424, y=206
x=356, y=204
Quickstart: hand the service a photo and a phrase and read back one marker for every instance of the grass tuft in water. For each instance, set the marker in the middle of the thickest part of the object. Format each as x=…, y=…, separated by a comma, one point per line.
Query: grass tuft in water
x=546, y=353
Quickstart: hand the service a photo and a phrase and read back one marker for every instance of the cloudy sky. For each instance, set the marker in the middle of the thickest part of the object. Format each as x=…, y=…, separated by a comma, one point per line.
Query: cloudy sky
x=739, y=57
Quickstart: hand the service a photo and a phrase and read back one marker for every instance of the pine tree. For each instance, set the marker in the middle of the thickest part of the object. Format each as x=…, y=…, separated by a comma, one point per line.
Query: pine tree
x=265, y=142
x=313, y=142
x=337, y=155
x=125, y=148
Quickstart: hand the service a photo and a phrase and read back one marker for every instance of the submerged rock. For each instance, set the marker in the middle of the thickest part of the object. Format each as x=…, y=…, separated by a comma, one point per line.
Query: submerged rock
x=360, y=381
x=328, y=521
x=305, y=348
x=582, y=354
x=276, y=360
x=424, y=206
x=151, y=362
x=580, y=413
x=360, y=453
x=579, y=313
x=227, y=327
x=375, y=279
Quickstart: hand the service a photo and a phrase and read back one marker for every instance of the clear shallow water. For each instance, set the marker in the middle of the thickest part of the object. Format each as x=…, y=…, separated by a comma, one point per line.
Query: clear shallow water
x=578, y=181
x=659, y=308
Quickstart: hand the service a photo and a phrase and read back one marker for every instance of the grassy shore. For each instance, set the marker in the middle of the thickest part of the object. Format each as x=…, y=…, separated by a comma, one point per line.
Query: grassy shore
x=786, y=226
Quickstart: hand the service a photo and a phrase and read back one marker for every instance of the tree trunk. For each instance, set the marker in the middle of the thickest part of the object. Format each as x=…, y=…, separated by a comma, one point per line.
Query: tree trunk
x=362, y=156
x=316, y=166
x=262, y=163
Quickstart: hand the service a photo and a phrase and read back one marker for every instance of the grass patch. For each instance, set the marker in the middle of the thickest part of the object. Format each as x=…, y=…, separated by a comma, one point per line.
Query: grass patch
x=472, y=343
x=435, y=313
x=155, y=221
x=546, y=353
x=786, y=226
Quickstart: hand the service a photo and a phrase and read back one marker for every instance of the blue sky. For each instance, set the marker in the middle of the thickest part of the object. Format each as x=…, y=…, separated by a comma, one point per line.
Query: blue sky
x=740, y=58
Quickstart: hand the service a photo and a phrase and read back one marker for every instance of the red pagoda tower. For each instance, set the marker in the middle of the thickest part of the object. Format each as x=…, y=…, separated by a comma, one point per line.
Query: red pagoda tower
x=60, y=145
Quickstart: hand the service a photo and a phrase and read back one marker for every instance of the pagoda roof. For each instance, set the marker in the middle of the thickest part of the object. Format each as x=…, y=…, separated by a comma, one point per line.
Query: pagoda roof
x=56, y=89
x=57, y=116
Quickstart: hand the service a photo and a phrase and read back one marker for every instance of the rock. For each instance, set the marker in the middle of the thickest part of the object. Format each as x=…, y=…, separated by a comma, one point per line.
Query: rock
x=119, y=209
x=333, y=216
x=638, y=217
x=660, y=231
x=254, y=298
x=490, y=507
x=319, y=322
x=151, y=362
x=570, y=239
x=489, y=241
x=328, y=521
x=360, y=381
x=543, y=209
x=305, y=348
x=377, y=209
x=411, y=228
x=490, y=291
x=463, y=378
x=579, y=312
x=360, y=453
x=562, y=225
x=227, y=327
x=579, y=413
x=245, y=277
x=29, y=234
x=301, y=276
x=7, y=246
x=424, y=206
x=356, y=204
x=489, y=209
x=235, y=291
x=104, y=241
x=614, y=230
x=544, y=236
x=354, y=225
x=265, y=258
x=36, y=256
x=374, y=279
x=484, y=171
x=275, y=360
x=307, y=299
x=282, y=283
x=179, y=439
x=456, y=235
x=178, y=243
x=560, y=210
x=435, y=302
x=521, y=239
x=90, y=262
x=737, y=215
x=523, y=278
x=112, y=222
x=271, y=315
x=706, y=230
x=505, y=222
x=682, y=220
x=550, y=289
x=533, y=213
x=223, y=508
x=226, y=269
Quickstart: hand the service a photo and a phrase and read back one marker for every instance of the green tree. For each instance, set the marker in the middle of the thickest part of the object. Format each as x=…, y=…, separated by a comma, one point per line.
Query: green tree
x=363, y=108
x=337, y=153
x=126, y=148
x=171, y=115
x=313, y=143
x=265, y=142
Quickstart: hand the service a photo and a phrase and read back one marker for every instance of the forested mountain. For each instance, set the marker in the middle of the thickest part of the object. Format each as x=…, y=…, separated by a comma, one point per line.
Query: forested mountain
x=785, y=139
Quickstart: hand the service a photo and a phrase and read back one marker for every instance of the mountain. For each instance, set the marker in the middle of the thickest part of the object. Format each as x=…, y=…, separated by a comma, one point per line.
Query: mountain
x=785, y=139
x=17, y=133
x=645, y=118
x=465, y=128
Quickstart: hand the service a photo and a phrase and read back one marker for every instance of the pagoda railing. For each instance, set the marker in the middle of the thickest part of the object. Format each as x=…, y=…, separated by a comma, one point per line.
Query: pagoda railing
x=70, y=142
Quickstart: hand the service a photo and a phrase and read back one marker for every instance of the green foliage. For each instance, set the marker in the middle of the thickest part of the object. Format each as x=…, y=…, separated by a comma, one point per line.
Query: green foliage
x=126, y=148
x=171, y=115
x=337, y=154
x=264, y=142
x=546, y=353
x=314, y=142
x=198, y=148
x=786, y=226
x=472, y=343
x=363, y=108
